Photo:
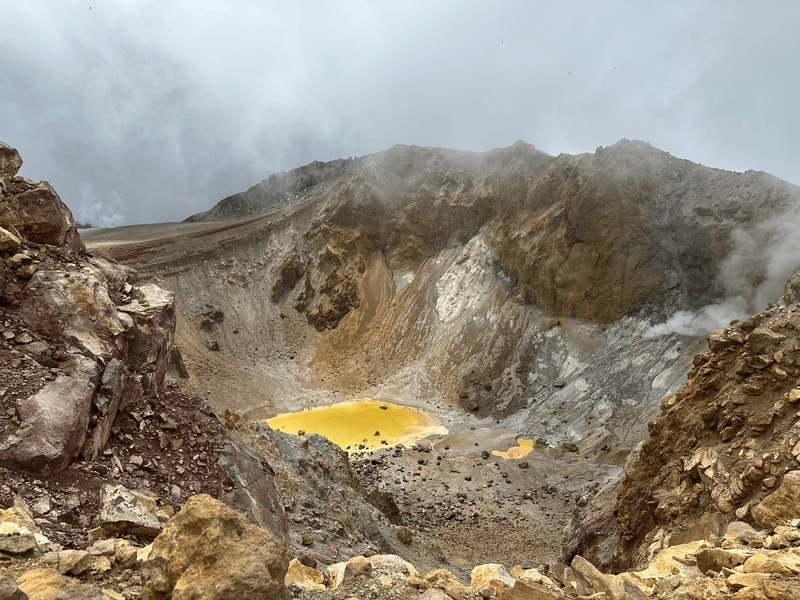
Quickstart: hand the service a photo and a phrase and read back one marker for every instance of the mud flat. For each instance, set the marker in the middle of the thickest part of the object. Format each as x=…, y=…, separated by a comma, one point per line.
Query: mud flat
x=362, y=424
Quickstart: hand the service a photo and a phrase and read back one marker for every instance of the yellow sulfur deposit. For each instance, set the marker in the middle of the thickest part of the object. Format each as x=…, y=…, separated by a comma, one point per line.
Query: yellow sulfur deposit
x=523, y=449
x=361, y=424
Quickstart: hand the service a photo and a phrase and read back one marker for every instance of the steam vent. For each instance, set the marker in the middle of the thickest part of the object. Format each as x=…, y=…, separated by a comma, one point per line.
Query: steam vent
x=416, y=374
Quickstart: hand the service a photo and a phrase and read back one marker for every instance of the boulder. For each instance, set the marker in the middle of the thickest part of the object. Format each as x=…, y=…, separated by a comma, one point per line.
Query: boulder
x=210, y=552
x=76, y=307
x=10, y=162
x=305, y=578
x=392, y=565
x=591, y=581
x=122, y=510
x=53, y=428
x=491, y=575
x=780, y=506
x=526, y=591
x=8, y=241
x=716, y=559
x=47, y=584
x=16, y=539
x=254, y=493
x=153, y=314
x=341, y=573
x=40, y=216
x=73, y=562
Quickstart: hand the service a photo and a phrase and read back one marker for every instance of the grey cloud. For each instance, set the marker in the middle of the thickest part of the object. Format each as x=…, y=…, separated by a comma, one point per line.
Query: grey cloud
x=162, y=108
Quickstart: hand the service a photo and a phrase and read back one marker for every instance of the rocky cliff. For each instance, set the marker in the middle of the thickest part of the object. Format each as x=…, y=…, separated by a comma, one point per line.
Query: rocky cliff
x=724, y=448
x=104, y=341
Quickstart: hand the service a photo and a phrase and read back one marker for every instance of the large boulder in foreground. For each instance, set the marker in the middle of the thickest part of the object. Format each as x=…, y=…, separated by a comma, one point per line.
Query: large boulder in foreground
x=210, y=552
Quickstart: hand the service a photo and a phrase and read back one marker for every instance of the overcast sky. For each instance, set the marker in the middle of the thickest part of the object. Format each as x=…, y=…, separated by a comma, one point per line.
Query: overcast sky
x=142, y=111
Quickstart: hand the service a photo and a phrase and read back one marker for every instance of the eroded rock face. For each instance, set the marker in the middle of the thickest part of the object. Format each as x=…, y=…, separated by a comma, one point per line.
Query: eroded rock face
x=208, y=551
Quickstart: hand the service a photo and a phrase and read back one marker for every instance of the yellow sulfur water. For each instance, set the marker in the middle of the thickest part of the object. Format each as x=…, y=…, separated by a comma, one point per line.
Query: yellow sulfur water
x=516, y=452
x=353, y=425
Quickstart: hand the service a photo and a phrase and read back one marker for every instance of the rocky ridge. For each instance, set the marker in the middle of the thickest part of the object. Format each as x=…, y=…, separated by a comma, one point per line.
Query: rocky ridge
x=733, y=450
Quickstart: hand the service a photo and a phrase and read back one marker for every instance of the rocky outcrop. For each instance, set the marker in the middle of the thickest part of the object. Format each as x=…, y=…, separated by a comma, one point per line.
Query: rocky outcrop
x=106, y=341
x=210, y=552
x=724, y=448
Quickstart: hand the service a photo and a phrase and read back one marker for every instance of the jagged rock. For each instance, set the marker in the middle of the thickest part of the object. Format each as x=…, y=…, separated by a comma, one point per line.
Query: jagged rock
x=9, y=242
x=780, y=506
x=717, y=340
x=54, y=422
x=446, y=581
x=16, y=539
x=40, y=216
x=492, y=575
x=73, y=562
x=122, y=510
x=254, y=493
x=716, y=559
x=303, y=577
x=209, y=552
x=10, y=591
x=154, y=318
x=591, y=581
x=116, y=277
x=118, y=389
x=20, y=514
x=342, y=573
x=47, y=584
x=76, y=307
x=10, y=162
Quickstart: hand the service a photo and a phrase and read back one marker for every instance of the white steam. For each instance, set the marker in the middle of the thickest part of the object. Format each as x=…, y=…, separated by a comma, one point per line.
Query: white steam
x=753, y=274
x=100, y=213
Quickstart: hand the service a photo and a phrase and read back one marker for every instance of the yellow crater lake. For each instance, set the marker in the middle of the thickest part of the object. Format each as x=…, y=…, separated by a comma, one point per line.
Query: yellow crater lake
x=351, y=425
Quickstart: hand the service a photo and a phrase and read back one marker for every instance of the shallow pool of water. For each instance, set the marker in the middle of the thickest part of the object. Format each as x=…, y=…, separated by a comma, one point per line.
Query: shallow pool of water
x=523, y=448
x=362, y=424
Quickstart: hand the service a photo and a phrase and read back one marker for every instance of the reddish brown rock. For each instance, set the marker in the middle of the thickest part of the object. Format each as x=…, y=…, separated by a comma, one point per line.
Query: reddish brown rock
x=52, y=430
